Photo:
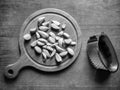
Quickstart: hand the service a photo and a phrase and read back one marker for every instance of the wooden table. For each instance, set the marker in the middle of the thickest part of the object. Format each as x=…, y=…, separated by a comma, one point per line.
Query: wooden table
x=93, y=16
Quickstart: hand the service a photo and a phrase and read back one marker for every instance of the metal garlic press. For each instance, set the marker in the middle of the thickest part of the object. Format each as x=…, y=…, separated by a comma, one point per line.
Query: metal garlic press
x=101, y=53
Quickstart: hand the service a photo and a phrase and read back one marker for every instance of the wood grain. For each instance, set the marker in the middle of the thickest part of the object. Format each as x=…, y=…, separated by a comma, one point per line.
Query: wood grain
x=93, y=16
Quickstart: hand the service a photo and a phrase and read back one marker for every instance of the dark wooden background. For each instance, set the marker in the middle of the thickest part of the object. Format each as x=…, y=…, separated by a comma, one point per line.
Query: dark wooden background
x=93, y=16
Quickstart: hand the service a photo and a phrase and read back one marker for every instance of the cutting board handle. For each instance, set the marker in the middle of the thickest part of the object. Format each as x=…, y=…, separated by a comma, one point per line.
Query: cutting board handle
x=12, y=70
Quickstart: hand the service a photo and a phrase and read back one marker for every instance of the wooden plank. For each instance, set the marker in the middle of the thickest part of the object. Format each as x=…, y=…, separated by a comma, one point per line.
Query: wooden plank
x=93, y=16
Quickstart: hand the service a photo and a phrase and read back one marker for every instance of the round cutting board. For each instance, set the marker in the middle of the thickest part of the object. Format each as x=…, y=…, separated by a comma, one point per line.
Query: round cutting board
x=28, y=56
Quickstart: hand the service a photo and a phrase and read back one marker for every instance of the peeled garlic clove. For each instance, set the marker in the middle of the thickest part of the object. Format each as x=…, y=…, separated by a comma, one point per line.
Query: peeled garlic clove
x=44, y=56
x=49, y=48
x=56, y=22
x=63, y=26
x=38, y=49
x=59, y=49
x=43, y=28
x=68, y=41
x=52, y=34
x=37, y=35
x=53, y=53
x=57, y=37
x=46, y=23
x=73, y=43
x=43, y=40
x=66, y=35
x=40, y=21
x=70, y=51
x=62, y=54
x=40, y=43
x=60, y=42
x=43, y=34
x=58, y=58
x=33, y=44
x=60, y=33
x=33, y=30
x=46, y=52
x=55, y=27
x=51, y=40
x=27, y=37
